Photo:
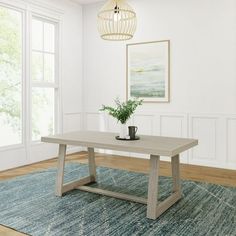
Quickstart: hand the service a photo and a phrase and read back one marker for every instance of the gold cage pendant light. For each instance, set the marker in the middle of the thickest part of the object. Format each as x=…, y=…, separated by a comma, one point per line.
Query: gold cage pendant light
x=116, y=21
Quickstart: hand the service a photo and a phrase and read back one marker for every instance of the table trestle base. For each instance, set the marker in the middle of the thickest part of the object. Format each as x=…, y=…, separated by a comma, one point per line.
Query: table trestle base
x=75, y=184
x=113, y=194
x=154, y=207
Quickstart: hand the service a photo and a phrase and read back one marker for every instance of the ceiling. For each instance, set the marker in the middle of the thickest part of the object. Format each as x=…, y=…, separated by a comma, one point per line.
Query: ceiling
x=87, y=1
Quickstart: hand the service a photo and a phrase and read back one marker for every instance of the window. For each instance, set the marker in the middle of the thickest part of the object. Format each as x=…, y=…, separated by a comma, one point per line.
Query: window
x=29, y=81
x=10, y=76
x=44, y=87
x=27, y=97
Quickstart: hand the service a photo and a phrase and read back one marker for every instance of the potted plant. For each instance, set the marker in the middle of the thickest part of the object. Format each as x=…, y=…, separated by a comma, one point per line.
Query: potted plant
x=122, y=112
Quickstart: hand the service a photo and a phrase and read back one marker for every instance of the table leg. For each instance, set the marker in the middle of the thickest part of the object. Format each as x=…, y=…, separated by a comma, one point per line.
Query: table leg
x=60, y=169
x=153, y=187
x=175, y=165
x=75, y=184
x=92, y=164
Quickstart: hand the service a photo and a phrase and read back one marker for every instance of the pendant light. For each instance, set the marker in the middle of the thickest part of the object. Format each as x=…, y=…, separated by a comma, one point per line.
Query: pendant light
x=116, y=21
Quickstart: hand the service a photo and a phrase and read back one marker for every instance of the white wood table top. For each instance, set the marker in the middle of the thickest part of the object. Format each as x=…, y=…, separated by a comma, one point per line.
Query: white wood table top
x=156, y=145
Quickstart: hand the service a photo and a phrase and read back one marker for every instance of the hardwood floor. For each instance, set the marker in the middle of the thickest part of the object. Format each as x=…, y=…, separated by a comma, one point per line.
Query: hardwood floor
x=5, y=231
x=188, y=172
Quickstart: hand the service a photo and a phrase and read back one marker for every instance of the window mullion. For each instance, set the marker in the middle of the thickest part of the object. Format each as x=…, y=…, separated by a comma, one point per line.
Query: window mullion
x=41, y=51
x=44, y=85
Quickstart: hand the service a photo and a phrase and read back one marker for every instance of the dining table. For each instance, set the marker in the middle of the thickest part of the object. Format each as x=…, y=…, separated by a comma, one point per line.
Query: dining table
x=154, y=146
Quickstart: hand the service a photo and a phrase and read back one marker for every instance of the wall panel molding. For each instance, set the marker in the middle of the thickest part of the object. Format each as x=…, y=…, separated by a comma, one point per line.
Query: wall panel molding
x=231, y=142
x=216, y=134
x=72, y=121
x=145, y=123
x=205, y=128
x=174, y=125
x=94, y=121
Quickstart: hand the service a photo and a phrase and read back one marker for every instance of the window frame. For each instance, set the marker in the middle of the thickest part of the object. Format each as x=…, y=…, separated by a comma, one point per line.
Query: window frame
x=53, y=15
x=56, y=84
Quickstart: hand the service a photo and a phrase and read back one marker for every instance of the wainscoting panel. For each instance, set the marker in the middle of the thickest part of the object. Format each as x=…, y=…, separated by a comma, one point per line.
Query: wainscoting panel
x=72, y=122
x=216, y=134
x=205, y=129
x=174, y=126
x=231, y=142
x=42, y=151
x=171, y=126
x=144, y=124
x=12, y=158
x=94, y=121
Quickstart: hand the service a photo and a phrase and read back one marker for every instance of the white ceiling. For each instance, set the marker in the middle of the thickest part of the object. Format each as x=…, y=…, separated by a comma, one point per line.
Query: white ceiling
x=87, y=1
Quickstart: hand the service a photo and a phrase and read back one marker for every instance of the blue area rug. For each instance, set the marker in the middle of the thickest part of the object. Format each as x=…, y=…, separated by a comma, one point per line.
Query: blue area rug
x=28, y=204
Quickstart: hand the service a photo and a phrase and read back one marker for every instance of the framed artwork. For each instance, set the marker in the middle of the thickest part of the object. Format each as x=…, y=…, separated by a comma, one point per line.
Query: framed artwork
x=148, y=71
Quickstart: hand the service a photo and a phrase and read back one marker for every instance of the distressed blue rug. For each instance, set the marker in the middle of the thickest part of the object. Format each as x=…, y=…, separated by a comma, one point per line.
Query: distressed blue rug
x=28, y=204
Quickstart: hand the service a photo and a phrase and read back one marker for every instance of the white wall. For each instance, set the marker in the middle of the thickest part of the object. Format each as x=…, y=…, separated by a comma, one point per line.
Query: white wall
x=72, y=66
x=70, y=27
x=203, y=74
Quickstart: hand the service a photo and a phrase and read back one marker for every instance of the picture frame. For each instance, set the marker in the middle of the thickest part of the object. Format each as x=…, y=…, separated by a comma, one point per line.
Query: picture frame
x=148, y=71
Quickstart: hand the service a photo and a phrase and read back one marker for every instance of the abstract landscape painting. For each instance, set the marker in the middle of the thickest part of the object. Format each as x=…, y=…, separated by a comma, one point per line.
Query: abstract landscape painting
x=148, y=71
